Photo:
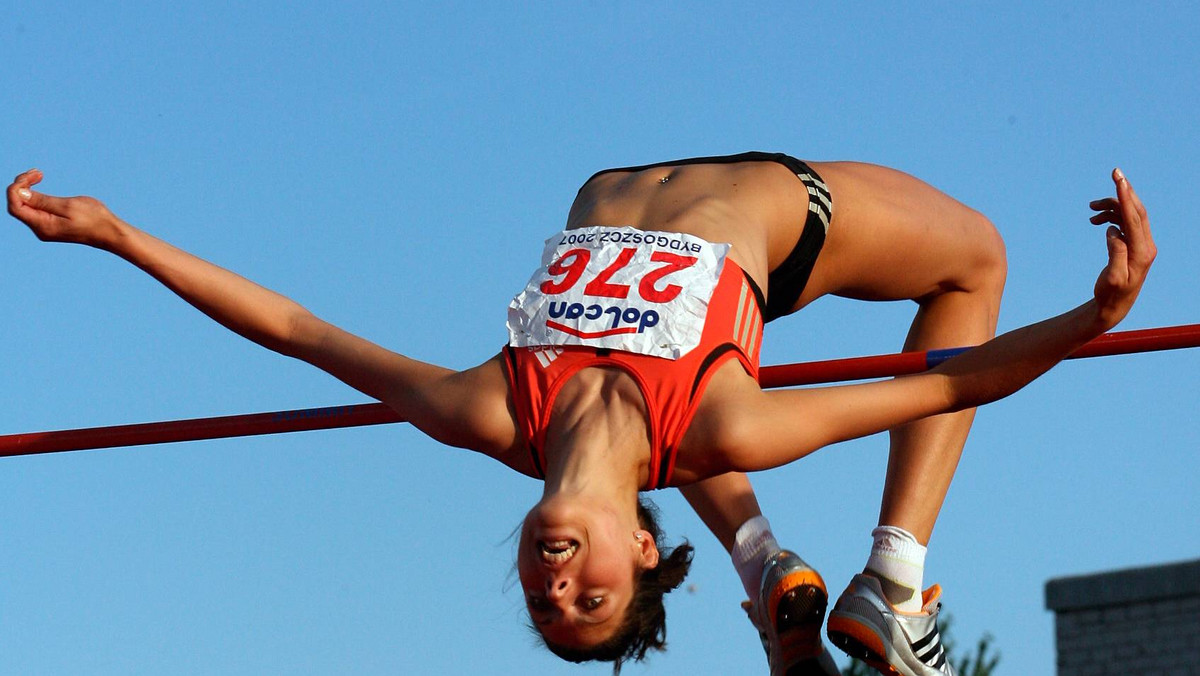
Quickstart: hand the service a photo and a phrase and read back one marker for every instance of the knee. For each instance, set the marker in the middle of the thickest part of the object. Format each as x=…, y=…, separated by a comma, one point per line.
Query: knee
x=988, y=267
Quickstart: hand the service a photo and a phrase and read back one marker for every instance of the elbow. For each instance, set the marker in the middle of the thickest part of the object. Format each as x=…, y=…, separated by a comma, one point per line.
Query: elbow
x=744, y=441
x=957, y=395
x=296, y=335
x=985, y=388
x=730, y=442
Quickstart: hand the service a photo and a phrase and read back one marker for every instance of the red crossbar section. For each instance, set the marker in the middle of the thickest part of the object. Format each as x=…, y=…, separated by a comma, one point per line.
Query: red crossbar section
x=357, y=415
x=906, y=363
x=278, y=422
x=836, y=370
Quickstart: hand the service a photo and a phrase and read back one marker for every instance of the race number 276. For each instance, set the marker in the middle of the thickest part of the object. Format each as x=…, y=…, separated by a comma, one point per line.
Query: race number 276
x=570, y=268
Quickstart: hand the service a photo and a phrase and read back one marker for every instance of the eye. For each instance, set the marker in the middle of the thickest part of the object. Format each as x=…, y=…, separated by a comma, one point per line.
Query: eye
x=537, y=603
x=593, y=603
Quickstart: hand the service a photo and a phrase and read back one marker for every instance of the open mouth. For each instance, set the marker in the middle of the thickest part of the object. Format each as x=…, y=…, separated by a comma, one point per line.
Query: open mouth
x=557, y=552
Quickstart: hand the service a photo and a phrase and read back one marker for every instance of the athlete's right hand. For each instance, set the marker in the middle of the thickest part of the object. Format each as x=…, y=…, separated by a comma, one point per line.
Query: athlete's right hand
x=79, y=220
x=1131, y=251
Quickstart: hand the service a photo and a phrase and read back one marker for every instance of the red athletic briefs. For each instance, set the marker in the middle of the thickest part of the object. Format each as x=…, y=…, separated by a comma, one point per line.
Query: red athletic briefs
x=672, y=388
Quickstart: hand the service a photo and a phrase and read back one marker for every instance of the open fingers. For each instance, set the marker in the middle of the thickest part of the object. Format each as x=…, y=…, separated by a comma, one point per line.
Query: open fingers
x=26, y=179
x=21, y=199
x=19, y=195
x=1135, y=224
x=42, y=213
x=1108, y=211
x=1131, y=205
x=1125, y=210
x=1129, y=215
x=19, y=188
x=50, y=204
x=18, y=191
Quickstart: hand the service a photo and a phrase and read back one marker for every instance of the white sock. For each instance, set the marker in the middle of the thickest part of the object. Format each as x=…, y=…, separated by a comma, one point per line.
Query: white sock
x=752, y=544
x=898, y=560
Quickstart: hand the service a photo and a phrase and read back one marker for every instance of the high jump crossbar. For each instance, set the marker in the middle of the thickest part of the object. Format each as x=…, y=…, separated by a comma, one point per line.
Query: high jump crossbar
x=358, y=415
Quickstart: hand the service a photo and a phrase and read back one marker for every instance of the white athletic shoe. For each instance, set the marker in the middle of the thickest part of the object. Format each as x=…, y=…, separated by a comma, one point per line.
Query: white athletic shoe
x=865, y=626
x=788, y=614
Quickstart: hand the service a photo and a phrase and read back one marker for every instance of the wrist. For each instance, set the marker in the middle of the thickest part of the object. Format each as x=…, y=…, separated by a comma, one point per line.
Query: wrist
x=112, y=235
x=1099, y=319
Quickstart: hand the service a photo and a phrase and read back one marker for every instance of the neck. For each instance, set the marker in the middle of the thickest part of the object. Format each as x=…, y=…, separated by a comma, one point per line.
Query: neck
x=598, y=442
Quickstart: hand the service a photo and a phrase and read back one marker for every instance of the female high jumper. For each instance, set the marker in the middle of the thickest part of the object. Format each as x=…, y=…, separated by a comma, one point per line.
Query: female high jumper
x=632, y=365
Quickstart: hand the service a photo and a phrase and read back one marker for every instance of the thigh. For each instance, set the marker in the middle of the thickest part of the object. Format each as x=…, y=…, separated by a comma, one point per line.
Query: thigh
x=895, y=237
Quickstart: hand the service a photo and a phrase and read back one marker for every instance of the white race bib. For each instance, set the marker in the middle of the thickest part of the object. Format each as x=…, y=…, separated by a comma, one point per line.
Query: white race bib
x=619, y=288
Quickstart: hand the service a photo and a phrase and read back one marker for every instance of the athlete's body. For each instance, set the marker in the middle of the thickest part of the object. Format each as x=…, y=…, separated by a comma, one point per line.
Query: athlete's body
x=583, y=544
x=889, y=237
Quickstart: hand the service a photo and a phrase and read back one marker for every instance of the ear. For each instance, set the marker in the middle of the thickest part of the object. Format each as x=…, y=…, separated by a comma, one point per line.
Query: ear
x=647, y=550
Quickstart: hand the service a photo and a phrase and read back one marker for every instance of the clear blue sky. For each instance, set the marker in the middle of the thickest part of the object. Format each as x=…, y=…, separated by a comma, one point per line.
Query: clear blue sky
x=395, y=168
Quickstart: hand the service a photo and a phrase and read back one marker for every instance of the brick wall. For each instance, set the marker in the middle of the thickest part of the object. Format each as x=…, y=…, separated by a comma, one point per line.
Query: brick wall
x=1143, y=621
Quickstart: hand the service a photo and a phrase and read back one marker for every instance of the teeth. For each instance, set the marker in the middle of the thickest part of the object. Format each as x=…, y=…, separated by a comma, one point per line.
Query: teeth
x=558, y=551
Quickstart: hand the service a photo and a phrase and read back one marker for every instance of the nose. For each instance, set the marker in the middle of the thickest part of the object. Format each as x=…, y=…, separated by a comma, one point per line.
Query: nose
x=556, y=586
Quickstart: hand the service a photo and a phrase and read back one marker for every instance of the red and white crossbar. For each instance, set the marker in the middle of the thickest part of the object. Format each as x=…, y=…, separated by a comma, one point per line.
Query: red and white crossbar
x=358, y=415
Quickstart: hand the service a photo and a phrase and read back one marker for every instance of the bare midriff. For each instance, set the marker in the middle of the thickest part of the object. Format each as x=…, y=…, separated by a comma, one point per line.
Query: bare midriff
x=757, y=207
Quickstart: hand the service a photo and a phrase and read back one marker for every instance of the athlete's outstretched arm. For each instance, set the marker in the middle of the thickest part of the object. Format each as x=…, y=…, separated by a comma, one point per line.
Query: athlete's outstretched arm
x=465, y=408
x=770, y=433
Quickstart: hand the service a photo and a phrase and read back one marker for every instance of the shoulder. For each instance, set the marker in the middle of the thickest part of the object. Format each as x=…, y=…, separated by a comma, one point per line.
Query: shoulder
x=716, y=441
x=488, y=414
x=469, y=409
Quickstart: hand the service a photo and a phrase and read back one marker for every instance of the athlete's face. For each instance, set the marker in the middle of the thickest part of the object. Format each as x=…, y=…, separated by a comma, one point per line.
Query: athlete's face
x=577, y=564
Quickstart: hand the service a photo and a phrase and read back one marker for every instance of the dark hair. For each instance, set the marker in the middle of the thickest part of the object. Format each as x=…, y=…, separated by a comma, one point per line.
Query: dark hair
x=645, y=623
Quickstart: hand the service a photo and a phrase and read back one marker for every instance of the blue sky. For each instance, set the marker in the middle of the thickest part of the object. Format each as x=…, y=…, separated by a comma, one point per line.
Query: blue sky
x=396, y=166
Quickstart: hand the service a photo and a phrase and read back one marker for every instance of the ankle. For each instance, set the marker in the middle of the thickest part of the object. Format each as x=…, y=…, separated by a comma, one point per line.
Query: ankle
x=752, y=545
x=897, y=560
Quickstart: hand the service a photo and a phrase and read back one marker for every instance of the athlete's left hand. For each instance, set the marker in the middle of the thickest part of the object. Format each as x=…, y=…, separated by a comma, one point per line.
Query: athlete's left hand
x=78, y=220
x=1131, y=251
